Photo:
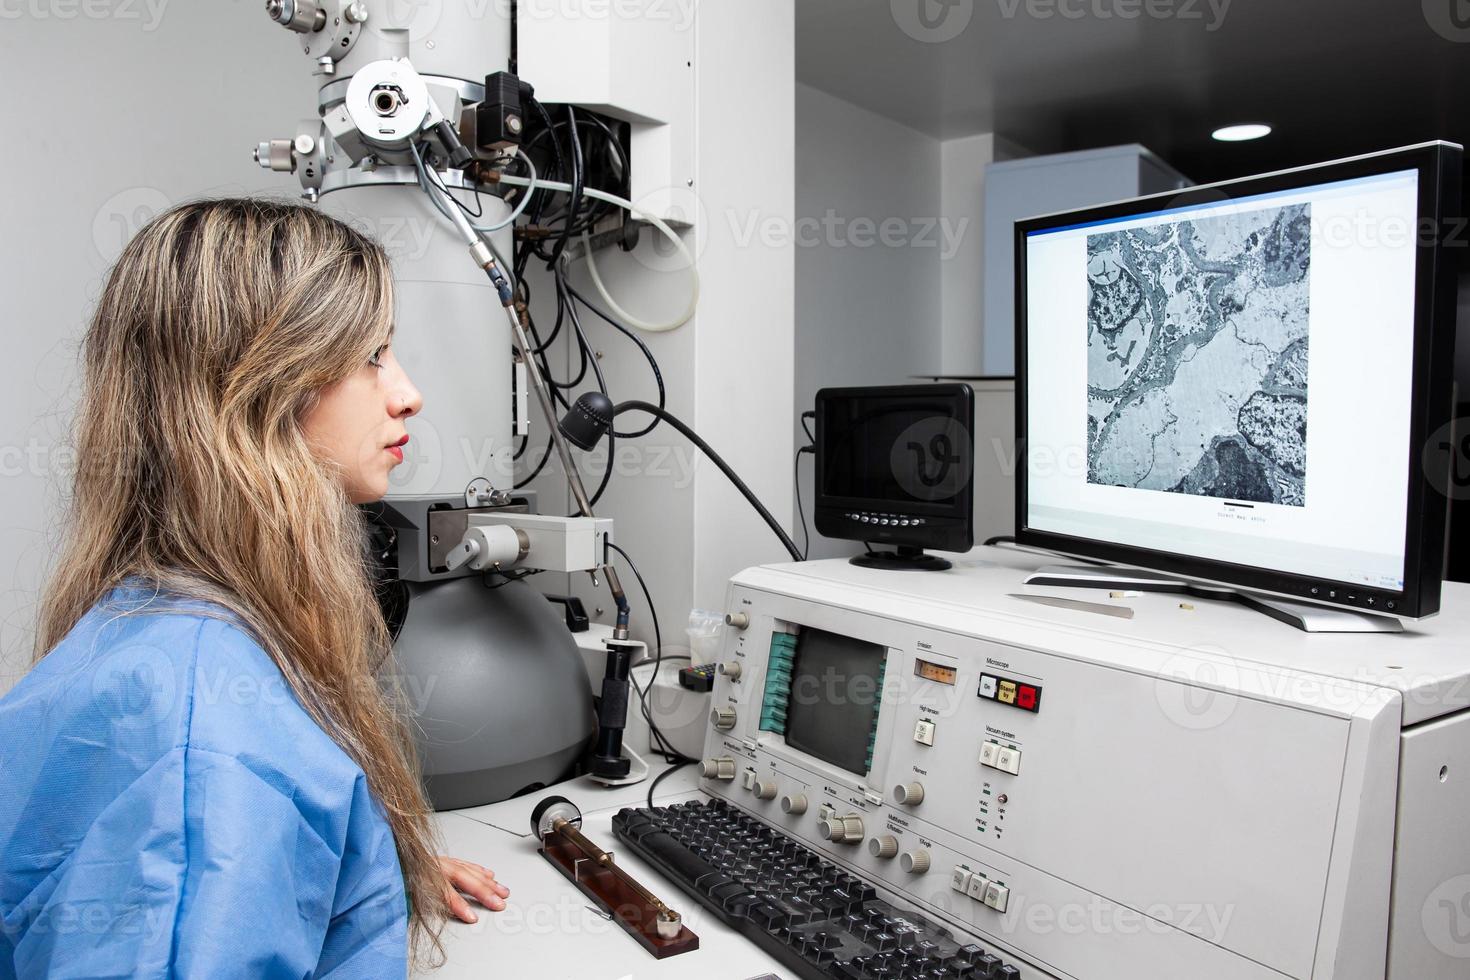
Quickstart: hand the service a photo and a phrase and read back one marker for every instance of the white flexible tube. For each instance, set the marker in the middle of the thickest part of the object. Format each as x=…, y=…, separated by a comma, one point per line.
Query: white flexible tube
x=597, y=282
x=531, y=186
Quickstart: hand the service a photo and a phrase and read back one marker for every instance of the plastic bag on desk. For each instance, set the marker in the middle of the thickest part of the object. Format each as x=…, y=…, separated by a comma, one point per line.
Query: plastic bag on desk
x=704, y=635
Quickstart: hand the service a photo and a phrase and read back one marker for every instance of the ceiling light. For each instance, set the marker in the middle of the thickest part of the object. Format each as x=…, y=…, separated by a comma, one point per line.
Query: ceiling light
x=1245, y=131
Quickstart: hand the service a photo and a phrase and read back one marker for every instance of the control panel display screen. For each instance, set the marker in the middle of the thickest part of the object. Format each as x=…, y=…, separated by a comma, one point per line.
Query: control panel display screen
x=836, y=687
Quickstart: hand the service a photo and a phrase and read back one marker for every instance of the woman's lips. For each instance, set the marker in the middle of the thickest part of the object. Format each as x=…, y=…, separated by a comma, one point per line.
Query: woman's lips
x=397, y=448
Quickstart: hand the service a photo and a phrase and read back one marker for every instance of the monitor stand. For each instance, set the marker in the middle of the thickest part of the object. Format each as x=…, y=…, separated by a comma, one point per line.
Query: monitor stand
x=904, y=559
x=1303, y=615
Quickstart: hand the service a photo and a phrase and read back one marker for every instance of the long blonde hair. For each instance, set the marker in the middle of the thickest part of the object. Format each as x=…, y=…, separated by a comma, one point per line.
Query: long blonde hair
x=217, y=328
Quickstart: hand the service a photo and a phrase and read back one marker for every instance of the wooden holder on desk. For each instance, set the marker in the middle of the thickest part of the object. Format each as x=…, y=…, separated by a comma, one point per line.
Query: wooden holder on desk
x=557, y=824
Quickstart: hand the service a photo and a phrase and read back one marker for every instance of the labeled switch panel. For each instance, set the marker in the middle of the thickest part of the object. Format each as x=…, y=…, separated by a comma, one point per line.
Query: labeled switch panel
x=991, y=894
x=1002, y=757
x=1017, y=694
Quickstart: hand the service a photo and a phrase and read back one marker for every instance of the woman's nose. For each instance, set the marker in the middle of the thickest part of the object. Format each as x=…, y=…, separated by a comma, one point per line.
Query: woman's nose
x=409, y=401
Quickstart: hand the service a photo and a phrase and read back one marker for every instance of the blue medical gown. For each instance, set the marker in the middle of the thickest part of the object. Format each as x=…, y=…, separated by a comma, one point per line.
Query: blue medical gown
x=168, y=809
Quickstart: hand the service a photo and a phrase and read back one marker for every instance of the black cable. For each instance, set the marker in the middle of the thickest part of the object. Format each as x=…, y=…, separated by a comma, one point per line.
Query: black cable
x=576, y=182
x=582, y=336
x=999, y=539
x=658, y=377
x=664, y=775
x=606, y=471
x=719, y=461
x=550, y=447
x=589, y=356
x=658, y=645
x=811, y=447
x=806, y=536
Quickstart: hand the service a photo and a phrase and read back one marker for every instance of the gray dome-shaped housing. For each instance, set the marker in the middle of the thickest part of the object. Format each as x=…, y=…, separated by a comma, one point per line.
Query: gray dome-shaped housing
x=497, y=688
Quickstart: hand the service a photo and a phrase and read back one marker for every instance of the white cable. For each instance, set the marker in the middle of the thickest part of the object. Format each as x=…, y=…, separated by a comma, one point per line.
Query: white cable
x=531, y=188
x=532, y=185
x=597, y=282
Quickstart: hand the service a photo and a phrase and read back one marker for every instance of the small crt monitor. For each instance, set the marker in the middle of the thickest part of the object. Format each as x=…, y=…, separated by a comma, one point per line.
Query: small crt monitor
x=894, y=468
x=1249, y=383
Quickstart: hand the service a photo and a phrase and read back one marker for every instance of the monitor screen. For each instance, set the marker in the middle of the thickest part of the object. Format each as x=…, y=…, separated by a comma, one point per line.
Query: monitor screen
x=895, y=464
x=836, y=687
x=1231, y=377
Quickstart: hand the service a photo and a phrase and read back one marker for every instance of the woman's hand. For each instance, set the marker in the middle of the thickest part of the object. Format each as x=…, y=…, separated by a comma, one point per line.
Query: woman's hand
x=477, y=882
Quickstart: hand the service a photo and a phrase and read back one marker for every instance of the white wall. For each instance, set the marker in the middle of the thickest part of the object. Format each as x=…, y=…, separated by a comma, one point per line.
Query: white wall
x=138, y=109
x=867, y=312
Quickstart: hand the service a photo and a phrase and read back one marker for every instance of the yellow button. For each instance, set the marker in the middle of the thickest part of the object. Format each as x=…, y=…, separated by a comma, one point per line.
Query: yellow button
x=1007, y=692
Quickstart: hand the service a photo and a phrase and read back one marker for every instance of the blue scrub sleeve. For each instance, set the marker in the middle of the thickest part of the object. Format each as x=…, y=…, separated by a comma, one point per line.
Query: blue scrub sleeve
x=200, y=869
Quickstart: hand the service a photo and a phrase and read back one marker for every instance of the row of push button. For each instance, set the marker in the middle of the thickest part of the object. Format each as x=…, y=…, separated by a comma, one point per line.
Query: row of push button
x=976, y=885
x=1001, y=757
x=886, y=519
x=1018, y=694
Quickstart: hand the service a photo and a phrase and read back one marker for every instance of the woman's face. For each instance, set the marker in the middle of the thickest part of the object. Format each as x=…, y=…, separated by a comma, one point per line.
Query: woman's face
x=357, y=424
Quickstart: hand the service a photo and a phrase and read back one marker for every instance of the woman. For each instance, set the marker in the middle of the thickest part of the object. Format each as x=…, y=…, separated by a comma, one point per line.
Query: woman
x=201, y=776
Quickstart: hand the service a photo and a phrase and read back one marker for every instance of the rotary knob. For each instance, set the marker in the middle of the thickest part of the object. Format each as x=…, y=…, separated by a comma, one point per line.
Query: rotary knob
x=914, y=862
x=909, y=794
x=842, y=830
x=722, y=718
x=794, y=805
x=739, y=620
x=764, y=789
x=883, y=847
x=721, y=768
x=731, y=669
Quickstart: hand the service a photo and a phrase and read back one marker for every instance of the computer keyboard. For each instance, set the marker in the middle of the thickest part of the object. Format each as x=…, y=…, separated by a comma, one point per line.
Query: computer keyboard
x=810, y=914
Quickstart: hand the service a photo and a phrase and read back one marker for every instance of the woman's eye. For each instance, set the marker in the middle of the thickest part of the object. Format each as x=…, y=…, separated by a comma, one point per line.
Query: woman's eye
x=377, y=359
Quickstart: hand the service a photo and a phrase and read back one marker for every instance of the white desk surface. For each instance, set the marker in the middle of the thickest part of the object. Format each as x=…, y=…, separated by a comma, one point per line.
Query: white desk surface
x=548, y=931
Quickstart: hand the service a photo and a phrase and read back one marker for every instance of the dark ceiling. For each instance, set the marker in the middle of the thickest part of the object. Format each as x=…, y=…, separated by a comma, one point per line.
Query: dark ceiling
x=1333, y=77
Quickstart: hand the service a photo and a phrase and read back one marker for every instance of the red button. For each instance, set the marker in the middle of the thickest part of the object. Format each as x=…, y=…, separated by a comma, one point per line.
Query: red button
x=1026, y=697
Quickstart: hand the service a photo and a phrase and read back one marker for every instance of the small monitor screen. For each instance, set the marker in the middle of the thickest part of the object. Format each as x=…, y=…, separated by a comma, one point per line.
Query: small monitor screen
x=836, y=685
x=1230, y=380
x=904, y=449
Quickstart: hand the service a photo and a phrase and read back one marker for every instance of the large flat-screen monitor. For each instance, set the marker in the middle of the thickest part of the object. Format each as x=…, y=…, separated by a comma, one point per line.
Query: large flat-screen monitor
x=1240, y=382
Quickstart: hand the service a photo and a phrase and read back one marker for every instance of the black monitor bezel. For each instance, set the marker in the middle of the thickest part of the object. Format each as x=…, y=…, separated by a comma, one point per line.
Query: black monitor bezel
x=947, y=528
x=1439, y=168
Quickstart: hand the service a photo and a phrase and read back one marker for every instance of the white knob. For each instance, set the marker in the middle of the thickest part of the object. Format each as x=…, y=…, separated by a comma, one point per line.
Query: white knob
x=883, y=847
x=721, y=768
x=731, y=669
x=765, y=790
x=739, y=620
x=794, y=805
x=842, y=830
x=914, y=862
x=722, y=718
x=910, y=794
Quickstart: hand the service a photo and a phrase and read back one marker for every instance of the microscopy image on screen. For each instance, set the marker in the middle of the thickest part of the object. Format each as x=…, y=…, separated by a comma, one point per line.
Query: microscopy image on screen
x=1197, y=338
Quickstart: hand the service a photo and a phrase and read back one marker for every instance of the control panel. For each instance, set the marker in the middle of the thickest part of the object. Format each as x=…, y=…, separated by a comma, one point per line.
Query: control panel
x=1072, y=799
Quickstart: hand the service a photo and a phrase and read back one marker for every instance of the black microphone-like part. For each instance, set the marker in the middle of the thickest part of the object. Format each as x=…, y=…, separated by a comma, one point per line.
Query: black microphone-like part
x=588, y=421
